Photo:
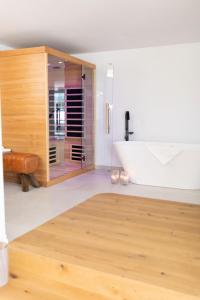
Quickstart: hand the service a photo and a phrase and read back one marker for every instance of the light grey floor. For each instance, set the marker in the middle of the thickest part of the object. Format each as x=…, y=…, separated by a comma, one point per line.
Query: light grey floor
x=25, y=211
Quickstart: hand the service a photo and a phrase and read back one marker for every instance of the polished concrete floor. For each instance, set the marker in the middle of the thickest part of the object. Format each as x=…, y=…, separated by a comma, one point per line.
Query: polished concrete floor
x=25, y=211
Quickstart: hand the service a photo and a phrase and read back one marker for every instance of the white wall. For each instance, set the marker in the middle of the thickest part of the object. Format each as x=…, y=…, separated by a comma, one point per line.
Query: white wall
x=161, y=88
x=4, y=47
x=3, y=237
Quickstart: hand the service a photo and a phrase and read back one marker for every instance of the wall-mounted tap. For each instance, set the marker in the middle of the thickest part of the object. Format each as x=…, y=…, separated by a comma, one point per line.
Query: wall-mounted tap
x=127, y=132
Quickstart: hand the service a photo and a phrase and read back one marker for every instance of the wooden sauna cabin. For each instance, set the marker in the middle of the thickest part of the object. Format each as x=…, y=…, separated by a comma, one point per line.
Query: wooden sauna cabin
x=47, y=106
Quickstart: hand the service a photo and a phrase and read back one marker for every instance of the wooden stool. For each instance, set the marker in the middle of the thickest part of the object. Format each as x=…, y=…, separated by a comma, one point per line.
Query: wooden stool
x=24, y=165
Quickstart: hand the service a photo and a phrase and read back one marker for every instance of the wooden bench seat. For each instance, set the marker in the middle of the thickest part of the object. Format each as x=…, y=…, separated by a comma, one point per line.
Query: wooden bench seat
x=24, y=165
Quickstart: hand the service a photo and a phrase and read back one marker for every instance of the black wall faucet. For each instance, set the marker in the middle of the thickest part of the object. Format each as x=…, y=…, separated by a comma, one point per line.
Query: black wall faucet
x=127, y=132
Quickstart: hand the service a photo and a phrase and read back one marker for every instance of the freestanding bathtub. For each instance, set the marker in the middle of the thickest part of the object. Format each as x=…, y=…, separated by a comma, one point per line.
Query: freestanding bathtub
x=161, y=164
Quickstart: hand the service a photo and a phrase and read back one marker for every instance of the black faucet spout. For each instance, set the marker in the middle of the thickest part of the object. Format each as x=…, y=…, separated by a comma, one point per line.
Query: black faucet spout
x=127, y=132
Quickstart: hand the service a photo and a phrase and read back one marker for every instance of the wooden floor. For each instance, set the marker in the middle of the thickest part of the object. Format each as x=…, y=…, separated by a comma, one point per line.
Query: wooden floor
x=112, y=247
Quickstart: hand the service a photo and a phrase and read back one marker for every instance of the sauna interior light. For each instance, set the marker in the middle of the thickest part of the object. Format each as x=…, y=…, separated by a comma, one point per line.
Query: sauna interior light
x=60, y=62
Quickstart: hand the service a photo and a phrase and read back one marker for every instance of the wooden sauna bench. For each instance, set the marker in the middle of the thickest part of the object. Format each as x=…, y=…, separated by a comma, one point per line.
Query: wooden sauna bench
x=112, y=247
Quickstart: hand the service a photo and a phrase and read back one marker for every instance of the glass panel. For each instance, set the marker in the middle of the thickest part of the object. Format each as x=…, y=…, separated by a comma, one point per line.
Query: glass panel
x=108, y=98
x=65, y=117
x=70, y=117
x=56, y=72
x=88, y=134
x=56, y=77
x=74, y=113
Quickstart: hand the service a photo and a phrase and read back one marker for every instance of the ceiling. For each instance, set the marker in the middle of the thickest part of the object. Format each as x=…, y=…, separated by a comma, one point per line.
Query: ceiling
x=97, y=25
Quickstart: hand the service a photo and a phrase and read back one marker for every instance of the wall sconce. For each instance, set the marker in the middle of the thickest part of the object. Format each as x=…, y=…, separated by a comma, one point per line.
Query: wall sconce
x=110, y=70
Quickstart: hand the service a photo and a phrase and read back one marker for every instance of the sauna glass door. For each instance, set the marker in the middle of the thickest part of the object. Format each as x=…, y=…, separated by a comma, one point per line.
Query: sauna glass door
x=88, y=124
x=56, y=81
x=70, y=117
x=65, y=117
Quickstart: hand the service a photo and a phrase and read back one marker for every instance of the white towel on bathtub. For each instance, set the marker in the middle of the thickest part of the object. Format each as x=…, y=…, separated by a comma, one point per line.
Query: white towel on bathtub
x=164, y=152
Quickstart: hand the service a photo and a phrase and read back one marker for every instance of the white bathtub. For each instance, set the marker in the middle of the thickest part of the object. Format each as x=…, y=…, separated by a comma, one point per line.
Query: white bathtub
x=144, y=166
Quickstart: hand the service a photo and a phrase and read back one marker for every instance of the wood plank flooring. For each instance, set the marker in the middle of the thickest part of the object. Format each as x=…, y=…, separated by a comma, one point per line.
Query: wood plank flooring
x=111, y=247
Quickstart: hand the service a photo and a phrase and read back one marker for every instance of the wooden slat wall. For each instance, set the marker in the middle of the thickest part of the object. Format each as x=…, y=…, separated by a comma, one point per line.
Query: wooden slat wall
x=23, y=82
